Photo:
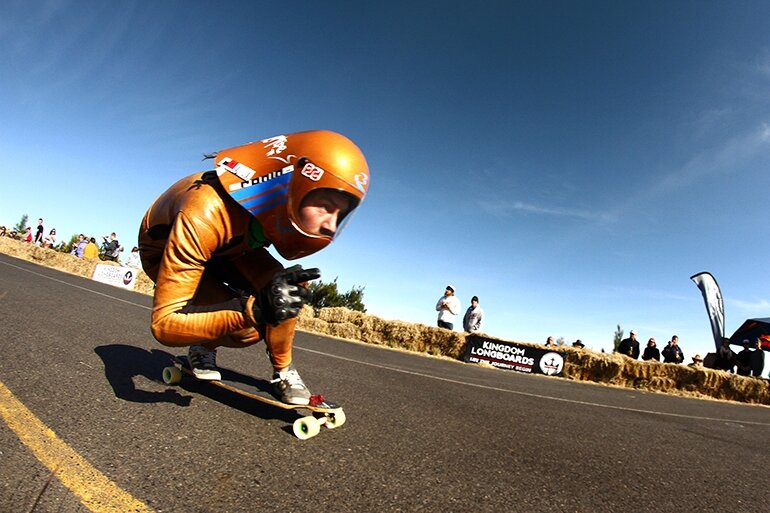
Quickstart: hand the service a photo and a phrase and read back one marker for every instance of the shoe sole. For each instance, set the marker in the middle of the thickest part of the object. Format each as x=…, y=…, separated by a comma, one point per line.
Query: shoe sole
x=207, y=375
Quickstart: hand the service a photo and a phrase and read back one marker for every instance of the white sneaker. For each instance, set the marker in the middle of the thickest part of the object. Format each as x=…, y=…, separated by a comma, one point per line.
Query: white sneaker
x=203, y=362
x=290, y=388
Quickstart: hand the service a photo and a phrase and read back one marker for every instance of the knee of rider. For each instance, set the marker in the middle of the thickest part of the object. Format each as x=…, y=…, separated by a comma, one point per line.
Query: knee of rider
x=245, y=337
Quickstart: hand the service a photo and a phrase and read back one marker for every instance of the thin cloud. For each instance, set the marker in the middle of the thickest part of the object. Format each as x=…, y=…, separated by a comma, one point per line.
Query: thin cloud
x=723, y=160
x=757, y=307
x=765, y=132
x=501, y=208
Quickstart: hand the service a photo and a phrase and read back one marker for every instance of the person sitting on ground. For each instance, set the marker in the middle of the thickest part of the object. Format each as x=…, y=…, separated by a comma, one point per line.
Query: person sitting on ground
x=80, y=247
x=204, y=243
x=578, y=344
x=133, y=258
x=651, y=352
x=50, y=240
x=91, y=251
x=28, y=236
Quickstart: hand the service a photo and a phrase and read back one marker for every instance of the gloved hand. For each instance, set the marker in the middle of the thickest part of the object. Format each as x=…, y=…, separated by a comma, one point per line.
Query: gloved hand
x=284, y=296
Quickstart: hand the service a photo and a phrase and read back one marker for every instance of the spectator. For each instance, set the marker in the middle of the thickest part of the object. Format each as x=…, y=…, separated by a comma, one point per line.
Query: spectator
x=743, y=360
x=50, y=239
x=474, y=316
x=578, y=344
x=133, y=258
x=549, y=342
x=672, y=353
x=81, y=246
x=697, y=361
x=204, y=242
x=651, y=352
x=28, y=236
x=111, y=247
x=725, y=359
x=448, y=307
x=629, y=346
x=39, y=233
x=91, y=251
x=757, y=359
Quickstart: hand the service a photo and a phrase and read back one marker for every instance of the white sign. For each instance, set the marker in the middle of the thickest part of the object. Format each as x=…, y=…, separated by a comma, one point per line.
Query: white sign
x=123, y=277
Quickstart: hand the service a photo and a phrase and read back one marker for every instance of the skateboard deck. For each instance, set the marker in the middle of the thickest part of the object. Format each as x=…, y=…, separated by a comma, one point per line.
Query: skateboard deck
x=323, y=412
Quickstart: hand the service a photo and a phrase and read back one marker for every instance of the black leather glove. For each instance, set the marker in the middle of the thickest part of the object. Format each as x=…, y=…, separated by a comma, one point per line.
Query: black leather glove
x=284, y=296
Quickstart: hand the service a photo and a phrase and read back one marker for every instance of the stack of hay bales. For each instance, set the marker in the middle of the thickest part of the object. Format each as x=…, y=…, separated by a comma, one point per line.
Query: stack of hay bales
x=66, y=262
x=615, y=369
x=352, y=325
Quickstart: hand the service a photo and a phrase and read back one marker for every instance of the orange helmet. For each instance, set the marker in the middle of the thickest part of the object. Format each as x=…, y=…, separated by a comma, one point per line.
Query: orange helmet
x=270, y=178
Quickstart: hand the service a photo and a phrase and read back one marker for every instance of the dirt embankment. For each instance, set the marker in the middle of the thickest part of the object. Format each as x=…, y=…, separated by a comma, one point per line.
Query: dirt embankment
x=584, y=365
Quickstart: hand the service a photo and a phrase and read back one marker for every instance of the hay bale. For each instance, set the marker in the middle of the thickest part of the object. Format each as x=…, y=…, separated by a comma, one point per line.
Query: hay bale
x=597, y=367
x=312, y=324
x=306, y=313
x=340, y=314
x=344, y=330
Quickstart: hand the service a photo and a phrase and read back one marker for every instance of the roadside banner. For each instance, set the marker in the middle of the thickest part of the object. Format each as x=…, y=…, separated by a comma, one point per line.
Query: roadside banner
x=715, y=306
x=123, y=277
x=516, y=357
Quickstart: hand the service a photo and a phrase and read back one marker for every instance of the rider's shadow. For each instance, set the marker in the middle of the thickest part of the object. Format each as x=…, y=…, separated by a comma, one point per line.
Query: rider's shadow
x=123, y=363
x=236, y=400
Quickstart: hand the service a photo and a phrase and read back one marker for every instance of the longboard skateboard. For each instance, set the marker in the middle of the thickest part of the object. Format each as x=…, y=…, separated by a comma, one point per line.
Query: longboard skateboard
x=323, y=412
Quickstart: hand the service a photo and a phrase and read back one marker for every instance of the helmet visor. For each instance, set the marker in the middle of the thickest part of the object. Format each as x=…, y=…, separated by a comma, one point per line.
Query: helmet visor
x=325, y=212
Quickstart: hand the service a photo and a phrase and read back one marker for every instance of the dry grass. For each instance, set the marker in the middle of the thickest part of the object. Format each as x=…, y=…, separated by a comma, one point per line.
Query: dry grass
x=583, y=365
x=65, y=262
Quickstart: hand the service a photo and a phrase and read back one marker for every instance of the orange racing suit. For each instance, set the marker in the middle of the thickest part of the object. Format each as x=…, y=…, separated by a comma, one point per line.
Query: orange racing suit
x=195, y=244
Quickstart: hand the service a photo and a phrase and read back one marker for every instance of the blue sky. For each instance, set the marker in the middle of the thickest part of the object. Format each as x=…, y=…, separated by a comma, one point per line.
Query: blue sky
x=571, y=163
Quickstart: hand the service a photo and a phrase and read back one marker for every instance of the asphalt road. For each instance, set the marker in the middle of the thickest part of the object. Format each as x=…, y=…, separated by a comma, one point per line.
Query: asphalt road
x=422, y=434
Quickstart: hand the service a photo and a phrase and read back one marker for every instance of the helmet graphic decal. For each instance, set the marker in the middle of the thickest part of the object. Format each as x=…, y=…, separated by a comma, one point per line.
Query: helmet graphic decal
x=260, y=196
x=277, y=145
x=362, y=180
x=242, y=171
x=312, y=171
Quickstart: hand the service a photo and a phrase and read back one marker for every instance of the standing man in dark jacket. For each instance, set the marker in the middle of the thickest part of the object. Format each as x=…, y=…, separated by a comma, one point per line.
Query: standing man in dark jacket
x=672, y=353
x=629, y=346
x=725, y=357
x=743, y=360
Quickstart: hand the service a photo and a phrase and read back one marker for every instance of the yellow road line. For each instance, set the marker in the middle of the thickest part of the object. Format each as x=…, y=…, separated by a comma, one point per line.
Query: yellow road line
x=95, y=491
